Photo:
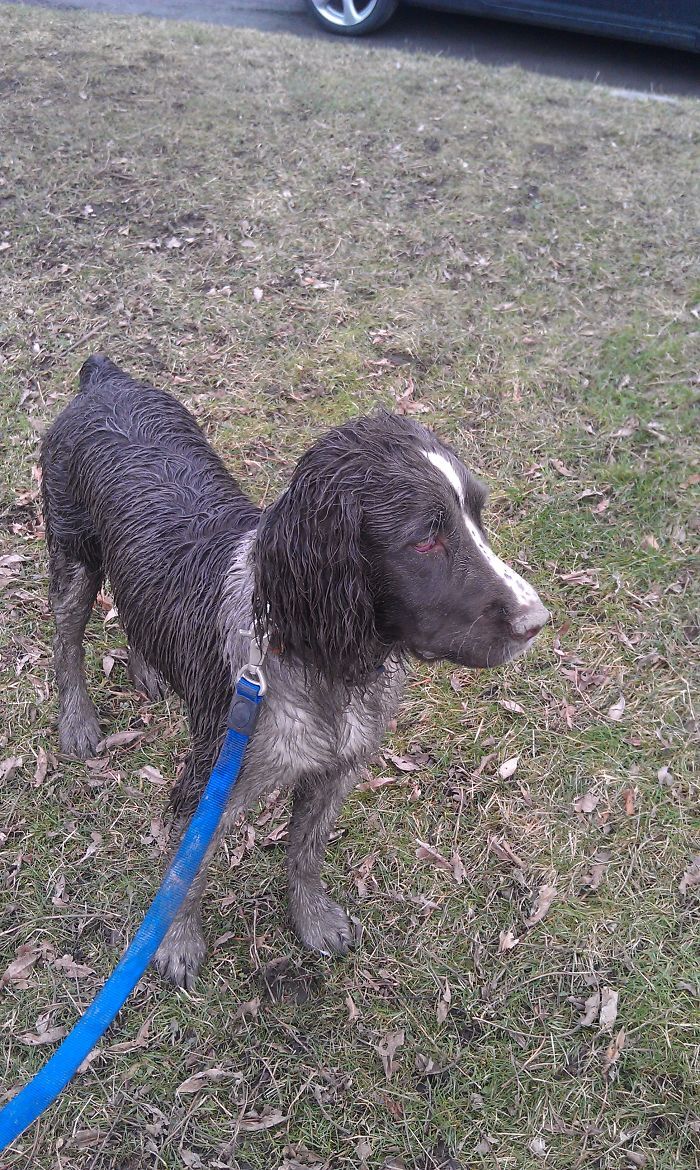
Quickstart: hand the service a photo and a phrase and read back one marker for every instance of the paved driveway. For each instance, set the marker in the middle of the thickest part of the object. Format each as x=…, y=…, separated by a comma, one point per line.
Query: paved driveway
x=618, y=63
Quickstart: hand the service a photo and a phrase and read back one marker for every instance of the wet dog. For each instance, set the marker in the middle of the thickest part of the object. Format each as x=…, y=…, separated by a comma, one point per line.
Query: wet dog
x=374, y=552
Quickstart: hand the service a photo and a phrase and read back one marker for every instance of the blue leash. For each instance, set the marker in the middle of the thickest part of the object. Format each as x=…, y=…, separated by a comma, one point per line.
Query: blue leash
x=43, y=1089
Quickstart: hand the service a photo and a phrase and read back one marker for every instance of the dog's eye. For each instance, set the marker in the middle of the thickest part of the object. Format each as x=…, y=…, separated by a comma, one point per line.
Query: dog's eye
x=430, y=544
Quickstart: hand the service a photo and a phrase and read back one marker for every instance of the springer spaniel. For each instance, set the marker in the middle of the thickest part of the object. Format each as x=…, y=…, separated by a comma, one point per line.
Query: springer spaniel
x=374, y=552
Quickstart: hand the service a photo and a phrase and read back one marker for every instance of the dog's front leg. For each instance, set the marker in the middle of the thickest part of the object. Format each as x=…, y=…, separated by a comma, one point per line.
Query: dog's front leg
x=320, y=923
x=183, y=950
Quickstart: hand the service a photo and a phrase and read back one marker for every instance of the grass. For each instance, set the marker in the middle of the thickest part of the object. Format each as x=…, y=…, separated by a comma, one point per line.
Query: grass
x=513, y=258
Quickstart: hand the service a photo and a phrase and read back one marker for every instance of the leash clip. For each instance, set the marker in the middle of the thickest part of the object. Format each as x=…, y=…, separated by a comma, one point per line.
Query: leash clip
x=252, y=671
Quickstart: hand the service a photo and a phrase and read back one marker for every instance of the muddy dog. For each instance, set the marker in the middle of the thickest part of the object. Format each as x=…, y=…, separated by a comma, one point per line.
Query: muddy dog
x=374, y=552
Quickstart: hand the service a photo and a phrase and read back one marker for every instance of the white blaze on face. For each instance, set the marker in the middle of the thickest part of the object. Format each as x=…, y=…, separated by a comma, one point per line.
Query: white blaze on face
x=448, y=471
x=523, y=593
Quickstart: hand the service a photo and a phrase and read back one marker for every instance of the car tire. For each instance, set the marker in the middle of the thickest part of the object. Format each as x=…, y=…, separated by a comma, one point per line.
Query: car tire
x=352, y=18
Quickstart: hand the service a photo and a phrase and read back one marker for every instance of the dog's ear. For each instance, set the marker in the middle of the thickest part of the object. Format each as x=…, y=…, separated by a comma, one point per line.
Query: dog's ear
x=313, y=591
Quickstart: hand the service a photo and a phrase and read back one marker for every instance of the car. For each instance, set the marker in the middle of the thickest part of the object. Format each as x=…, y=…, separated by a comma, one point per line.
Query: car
x=675, y=23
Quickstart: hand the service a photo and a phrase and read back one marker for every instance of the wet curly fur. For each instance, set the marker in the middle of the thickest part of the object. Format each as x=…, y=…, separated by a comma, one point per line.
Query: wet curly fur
x=133, y=492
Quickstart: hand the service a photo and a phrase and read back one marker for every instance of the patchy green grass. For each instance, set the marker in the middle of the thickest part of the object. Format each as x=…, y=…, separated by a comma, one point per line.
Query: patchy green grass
x=515, y=259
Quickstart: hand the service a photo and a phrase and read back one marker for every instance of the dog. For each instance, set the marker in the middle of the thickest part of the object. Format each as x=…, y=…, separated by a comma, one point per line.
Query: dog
x=375, y=552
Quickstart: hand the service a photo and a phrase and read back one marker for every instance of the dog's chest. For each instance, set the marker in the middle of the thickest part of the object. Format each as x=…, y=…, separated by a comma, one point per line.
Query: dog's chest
x=301, y=735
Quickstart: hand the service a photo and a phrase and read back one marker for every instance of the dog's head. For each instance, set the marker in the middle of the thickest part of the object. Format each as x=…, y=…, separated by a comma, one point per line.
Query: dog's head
x=378, y=545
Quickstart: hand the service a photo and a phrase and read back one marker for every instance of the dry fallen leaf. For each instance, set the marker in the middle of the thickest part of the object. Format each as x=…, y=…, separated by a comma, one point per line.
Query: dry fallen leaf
x=616, y=711
x=444, y=1001
x=458, y=871
x=613, y=1052
x=10, y=767
x=506, y=941
x=690, y=878
x=425, y=852
x=387, y=1049
x=200, y=1080
x=628, y=428
x=374, y=783
x=401, y=762
x=630, y=798
x=81, y=1139
x=58, y=891
x=47, y=1036
x=362, y=874
x=150, y=773
x=93, y=847
x=635, y=1157
x=591, y=1010
x=599, y=864
x=510, y=705
x=363, y=1149
x=503, y=849
x=140, y=1040
x=42, y=767
x=544, y=899
x=248, y=1010
x=608, y=1008
x=253, y=1122
x=483, y=763
x=68, y=965
x=20, y=966
x=353, y=1010
x=118, y=739
x=587, y=802
x=508, y=767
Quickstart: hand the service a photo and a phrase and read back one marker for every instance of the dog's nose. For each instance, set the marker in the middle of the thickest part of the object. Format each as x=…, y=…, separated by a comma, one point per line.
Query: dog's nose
x=529, y=620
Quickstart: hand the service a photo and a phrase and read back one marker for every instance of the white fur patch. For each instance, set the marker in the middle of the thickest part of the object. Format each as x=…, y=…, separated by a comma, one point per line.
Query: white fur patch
x=448, y=471
x=519, y=587
x=523, y=592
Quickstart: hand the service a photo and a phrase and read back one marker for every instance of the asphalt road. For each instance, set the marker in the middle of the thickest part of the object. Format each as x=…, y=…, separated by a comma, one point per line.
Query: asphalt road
x=642, y=68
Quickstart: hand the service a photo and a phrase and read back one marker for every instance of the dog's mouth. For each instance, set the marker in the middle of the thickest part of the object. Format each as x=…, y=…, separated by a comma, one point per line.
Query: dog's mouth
x=497, y=655
x=519, y=646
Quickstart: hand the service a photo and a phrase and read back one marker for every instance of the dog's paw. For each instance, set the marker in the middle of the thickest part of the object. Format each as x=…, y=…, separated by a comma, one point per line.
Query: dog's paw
x=321, y=924
x=79, y=737
x=181, y=954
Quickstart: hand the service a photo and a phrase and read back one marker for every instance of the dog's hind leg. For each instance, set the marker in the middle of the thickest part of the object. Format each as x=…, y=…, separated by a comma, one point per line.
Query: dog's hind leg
x=72, y=591
x=320, y=923
x=146, y=678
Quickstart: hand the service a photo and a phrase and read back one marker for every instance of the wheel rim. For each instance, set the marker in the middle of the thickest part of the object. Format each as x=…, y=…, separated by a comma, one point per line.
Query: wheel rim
x=345, y=13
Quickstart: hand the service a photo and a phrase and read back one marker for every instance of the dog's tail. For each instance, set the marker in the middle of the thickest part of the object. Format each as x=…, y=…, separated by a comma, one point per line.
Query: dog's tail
x=95, y=370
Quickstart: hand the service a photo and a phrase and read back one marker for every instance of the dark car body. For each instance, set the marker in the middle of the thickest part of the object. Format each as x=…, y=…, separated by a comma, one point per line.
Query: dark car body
x=662, y=22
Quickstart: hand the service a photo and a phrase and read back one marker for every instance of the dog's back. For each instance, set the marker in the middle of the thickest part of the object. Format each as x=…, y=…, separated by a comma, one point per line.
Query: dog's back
x=130, y=455
x=133, y=491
